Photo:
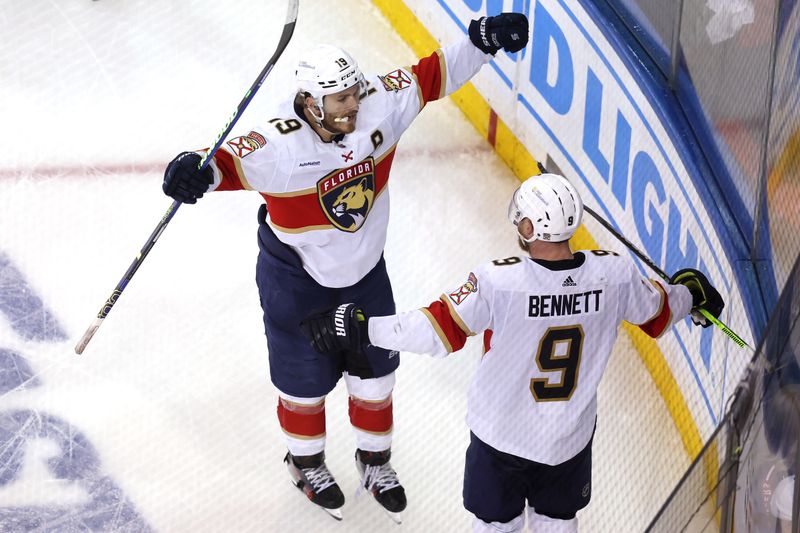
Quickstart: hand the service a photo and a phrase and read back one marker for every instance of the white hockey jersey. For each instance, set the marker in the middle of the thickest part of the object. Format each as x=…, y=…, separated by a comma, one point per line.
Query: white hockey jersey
x=549, y=328
x=330, y=201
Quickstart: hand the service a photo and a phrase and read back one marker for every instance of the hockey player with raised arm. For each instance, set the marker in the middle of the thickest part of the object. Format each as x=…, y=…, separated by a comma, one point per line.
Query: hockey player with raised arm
x=549, y=321
x=322, y=166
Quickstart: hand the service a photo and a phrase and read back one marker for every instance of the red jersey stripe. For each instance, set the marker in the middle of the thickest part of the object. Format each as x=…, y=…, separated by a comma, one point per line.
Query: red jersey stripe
x=655, y=326
x=450, y=333
x=232, y=174
x=302, y=211
x=455, y=316
x=431, y=74
x=487, y=340
x=296, y=212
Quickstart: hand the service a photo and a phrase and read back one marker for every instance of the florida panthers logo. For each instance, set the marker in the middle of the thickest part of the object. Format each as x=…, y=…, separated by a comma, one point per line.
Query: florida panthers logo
x=347, y=195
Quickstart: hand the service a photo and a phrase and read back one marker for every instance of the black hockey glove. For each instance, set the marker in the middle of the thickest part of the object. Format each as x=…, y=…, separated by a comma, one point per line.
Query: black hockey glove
x=703, y=294
x=508, y=31
x=183, y=181
x=338, y=329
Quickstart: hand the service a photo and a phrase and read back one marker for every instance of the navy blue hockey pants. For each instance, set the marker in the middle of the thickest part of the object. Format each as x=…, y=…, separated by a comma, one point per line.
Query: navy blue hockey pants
x=288, y=295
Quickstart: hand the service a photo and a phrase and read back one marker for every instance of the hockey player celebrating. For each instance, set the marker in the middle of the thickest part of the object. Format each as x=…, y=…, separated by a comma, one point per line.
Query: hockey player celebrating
x=322, y=166
x=549, y=321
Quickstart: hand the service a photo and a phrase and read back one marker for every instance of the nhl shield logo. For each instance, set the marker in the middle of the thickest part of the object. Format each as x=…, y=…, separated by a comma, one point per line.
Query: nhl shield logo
x=346, y=195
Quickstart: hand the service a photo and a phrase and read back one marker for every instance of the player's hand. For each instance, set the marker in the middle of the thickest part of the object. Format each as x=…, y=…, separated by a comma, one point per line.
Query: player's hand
x=183, y=181
x=704, y=295
x=337, y=329
x=508, y=31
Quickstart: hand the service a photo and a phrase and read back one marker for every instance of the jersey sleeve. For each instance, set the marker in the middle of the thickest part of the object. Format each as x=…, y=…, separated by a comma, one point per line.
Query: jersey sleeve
x=246, y=162
x=447, y=69
x=432, y=78
x=653, y=305
x=443, y=326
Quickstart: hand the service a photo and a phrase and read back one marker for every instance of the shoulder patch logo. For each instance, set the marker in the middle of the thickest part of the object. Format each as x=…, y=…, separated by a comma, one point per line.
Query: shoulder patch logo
x=346, y=195
x=460, y=294
x=246, y=144
x=569, y=282
x=258, y=138
x=397, y=80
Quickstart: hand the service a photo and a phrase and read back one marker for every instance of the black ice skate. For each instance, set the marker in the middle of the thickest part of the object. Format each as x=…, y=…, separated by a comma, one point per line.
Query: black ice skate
x=310, y=475
x=380, y=479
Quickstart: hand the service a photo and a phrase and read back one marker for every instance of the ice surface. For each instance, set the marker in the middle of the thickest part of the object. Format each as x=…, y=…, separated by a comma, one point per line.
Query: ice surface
x=167, y=422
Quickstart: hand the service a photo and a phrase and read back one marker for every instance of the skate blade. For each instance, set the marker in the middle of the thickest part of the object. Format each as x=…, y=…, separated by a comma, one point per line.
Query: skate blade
x=335, y=513
x=397, y=518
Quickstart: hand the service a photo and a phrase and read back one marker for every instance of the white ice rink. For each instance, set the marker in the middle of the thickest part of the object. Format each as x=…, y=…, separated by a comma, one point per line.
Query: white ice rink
x=167, y=422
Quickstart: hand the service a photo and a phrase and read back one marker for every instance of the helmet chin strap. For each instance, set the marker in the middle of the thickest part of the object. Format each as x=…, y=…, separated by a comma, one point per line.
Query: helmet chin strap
x=529, y=240
x=534, y=238
x=319, y=118
x=526, y=241
x=326, y=130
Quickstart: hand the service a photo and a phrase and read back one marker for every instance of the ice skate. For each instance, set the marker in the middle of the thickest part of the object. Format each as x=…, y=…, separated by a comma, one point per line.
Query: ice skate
x=311, y=476
x=380, y=479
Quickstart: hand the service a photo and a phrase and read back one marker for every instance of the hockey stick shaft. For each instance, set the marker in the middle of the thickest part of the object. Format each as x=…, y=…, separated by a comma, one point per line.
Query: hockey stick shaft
x=646, y=260
x=286, y=36
x=655, y=268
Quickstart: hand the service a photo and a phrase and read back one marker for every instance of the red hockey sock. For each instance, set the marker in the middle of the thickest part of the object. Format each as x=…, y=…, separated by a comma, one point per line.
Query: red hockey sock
x=302, y=421
x=371, y=416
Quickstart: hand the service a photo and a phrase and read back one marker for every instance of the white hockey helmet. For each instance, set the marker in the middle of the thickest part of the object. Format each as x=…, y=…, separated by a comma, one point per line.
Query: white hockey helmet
x=551, y=203
x=326, y=69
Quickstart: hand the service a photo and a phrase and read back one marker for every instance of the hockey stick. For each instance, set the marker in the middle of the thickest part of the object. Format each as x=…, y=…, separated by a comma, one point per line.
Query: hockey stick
x=655, y=268
x=286, y=36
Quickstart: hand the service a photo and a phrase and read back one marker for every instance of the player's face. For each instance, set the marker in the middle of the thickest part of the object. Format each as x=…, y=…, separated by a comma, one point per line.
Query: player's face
x=341, y=110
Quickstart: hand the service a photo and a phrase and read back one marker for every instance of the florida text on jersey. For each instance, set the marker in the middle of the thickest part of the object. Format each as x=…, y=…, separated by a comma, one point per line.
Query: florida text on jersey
x=330, y=201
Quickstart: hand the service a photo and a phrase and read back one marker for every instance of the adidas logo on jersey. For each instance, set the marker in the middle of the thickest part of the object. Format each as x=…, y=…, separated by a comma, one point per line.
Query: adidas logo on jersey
x=569, y=282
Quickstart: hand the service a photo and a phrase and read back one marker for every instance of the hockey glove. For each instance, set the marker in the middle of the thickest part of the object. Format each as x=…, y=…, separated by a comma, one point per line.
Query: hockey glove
x=703, y=294
x=508, y=31
x=183, y=181
x=337, y=329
